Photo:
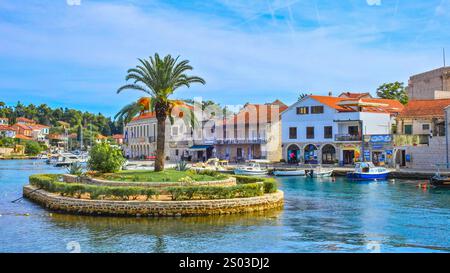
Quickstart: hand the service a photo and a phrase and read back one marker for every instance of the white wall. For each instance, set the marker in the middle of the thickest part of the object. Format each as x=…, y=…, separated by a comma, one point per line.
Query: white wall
x=376, y=123
x=318, y=121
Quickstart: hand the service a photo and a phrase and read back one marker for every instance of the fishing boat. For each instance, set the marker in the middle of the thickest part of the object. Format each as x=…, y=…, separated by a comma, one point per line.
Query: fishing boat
x=368, y=171
x=287, y=172
x=252, y=169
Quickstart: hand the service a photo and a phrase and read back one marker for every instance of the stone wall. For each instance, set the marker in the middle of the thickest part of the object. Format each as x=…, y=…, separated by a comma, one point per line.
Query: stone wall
x=231, y=181
x=427, y=156
x=153, y=208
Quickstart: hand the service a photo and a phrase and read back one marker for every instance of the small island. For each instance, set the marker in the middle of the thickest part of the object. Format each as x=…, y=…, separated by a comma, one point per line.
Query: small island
x=180, y=191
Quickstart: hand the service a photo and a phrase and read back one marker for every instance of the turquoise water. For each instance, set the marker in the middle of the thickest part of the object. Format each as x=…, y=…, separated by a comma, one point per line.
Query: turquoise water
x=319, y=216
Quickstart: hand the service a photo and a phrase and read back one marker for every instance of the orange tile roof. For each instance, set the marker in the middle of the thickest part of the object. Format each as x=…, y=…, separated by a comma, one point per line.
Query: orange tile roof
x=392, y=106
x=20, y=136
x=244, y=113
x=425, y=108
x=354, y=95
x=117, y=136
x=22, y=119
x=149, y=115
x=6, y=128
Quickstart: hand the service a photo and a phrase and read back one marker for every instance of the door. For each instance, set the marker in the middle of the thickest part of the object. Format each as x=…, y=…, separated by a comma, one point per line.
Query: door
x=349, y=156
x=403, y=158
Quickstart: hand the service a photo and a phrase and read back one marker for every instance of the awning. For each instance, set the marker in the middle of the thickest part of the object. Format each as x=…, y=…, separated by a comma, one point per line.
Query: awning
x=200, y=147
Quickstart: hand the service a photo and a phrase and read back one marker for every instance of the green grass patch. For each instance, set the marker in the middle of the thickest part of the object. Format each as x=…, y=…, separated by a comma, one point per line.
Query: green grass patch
x=169, y=175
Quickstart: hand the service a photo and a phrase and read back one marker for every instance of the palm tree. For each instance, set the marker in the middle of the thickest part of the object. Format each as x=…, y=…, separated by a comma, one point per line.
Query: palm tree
x=159, y=78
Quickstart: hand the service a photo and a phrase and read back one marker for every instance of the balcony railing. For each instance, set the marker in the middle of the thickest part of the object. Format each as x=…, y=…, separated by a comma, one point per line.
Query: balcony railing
x=347, y=137
x=242, y=141
x=141, y=140
x=411, y=140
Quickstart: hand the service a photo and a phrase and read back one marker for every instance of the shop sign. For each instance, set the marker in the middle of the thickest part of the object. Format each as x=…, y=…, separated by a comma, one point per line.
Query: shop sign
x=381, y=138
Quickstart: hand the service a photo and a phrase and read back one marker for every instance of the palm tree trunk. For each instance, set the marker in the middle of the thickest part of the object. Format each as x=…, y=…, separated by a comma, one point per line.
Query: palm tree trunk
x=160, y=144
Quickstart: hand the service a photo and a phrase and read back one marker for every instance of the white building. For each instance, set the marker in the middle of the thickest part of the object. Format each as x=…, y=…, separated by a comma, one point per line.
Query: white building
x=329, y=130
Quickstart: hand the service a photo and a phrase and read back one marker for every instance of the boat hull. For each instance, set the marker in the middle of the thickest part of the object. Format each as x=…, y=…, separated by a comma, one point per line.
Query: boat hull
x=289, y=173
x=367, y=176
x=249, y=172
x=440, y=181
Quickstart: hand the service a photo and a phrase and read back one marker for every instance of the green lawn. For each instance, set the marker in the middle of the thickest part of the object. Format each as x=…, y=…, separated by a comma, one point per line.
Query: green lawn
x=164, y=176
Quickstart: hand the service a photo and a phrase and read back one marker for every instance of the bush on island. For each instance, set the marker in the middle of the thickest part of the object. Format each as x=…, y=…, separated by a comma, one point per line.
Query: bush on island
x=50, y=183
x=105, y=158
x=215, y=192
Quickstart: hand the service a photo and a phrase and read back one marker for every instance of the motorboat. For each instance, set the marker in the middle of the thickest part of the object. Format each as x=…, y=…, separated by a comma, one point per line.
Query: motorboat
x=319, y=172
x=439, y=180
x=253, y=168
x=289, y=172
x=66, y=159
x=368, y=171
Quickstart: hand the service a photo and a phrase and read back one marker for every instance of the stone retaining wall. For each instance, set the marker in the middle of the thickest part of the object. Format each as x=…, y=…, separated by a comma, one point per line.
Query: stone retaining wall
x=231, y=181
x=153, y=208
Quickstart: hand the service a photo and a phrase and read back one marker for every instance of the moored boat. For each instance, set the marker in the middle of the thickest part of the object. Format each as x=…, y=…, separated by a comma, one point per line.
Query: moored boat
x=319, y=172
x=368, y=171
x=440, y=181
x=252, y=169
x=293, y=172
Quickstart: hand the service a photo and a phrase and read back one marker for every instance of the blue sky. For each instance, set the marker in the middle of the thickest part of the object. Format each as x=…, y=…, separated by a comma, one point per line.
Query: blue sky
x=64, y=54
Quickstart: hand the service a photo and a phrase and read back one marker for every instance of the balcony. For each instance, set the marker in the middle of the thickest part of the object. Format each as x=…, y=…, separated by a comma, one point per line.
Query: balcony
x=142, y=140
x=347, y=137
x=411, y=140
x=242, y=141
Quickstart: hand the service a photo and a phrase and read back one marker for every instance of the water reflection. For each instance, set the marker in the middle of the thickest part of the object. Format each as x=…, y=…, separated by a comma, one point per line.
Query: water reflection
x=320, y=215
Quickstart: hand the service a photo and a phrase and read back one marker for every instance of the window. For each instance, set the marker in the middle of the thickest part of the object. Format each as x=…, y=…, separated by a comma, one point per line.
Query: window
x=353, y=130
x=425, y=127
x=292, y=132
x=176, y=152
x=317, y=109
x=309, y=132
x=328, y=132
x=408, y=129
x=302, y=110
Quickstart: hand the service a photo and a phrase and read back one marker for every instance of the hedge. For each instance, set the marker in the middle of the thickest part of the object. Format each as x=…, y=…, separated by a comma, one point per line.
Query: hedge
x=270, y=184
x=212, y=192
x=51, y=184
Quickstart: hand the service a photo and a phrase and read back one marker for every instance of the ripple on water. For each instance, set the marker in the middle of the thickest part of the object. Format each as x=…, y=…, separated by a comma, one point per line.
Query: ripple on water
x=319, y=216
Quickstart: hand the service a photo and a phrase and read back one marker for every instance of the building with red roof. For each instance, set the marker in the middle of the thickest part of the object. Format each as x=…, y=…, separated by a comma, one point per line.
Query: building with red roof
x=344, y=129
x=139, y=138
x=4, y=121
x=7, y=131
x=252, y=133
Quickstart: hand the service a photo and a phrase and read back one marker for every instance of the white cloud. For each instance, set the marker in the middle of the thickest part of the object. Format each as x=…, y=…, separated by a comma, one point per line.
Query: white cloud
x=238, y=64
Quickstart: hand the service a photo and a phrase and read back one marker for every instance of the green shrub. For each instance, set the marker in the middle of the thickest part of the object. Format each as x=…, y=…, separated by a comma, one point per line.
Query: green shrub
x=50, y=183
x=270, y=186
x=241, y=179
x=181, y=166
x=75, y=169
x=32, y=148
x=105, y=158
x=215, y=192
